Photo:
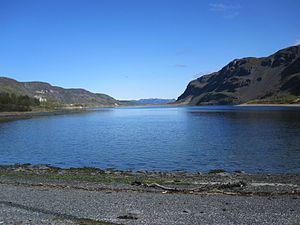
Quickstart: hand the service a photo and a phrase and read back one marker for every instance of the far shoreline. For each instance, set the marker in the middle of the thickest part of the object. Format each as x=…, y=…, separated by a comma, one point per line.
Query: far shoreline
x=10, y=116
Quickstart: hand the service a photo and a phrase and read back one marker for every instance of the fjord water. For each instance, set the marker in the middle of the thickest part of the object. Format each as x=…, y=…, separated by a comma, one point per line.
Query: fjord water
x=252, y=139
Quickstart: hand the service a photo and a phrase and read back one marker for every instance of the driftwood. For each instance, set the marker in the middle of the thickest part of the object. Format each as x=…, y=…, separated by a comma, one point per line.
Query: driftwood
x=206, y=187
x=155, y=185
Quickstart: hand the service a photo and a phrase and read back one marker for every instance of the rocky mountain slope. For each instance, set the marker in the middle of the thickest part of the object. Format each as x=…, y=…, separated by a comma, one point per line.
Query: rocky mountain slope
x=46, y=92
x=272, y=79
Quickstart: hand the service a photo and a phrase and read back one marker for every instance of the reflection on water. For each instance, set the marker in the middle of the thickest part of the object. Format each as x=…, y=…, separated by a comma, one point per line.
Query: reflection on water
x=252, y=139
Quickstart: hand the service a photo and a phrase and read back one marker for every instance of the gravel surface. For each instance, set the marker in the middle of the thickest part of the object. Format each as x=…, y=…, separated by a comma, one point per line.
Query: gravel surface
x=39, y=194
x=49, y=205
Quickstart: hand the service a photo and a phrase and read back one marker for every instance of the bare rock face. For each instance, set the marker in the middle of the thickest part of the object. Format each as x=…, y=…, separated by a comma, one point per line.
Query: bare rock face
x=272, y=78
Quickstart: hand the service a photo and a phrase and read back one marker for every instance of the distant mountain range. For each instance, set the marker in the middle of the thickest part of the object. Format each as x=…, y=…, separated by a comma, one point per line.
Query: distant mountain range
x=153, y=101
x=272, y=79
x=47, y=92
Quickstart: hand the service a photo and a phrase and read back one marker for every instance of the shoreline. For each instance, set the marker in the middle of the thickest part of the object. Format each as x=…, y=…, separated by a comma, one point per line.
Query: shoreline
x=40, y=194
x=9, y=116
x=275, y=105
x=212, y=182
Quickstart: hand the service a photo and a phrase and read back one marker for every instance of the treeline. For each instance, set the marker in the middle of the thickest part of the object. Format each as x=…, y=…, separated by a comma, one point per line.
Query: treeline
x=13, y=102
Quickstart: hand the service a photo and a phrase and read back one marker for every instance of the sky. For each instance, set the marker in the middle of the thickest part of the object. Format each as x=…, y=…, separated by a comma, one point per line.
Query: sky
x=132, y=49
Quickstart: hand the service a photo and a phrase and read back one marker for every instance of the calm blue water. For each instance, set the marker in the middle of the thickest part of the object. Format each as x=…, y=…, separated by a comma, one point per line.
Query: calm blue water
x=253, y=139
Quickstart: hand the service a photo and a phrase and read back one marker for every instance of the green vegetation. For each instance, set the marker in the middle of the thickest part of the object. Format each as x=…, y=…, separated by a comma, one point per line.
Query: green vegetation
x=277, y=100
x=100, y=178
x=91, y=175
x=217, y=171
x=53, y=97
x=51, y=105
x=11, y=102
x=20, y=103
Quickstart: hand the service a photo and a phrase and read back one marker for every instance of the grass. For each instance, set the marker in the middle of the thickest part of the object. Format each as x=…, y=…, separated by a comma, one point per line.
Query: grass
x=88, y=176
x=91, y=174
x=216, y=171
x=71, y=177
x=277, y=100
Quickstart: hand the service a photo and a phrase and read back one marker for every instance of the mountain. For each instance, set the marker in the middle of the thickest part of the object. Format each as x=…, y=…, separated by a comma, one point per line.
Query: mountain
x=47, y=92
x=272, y=79
x=153, y=101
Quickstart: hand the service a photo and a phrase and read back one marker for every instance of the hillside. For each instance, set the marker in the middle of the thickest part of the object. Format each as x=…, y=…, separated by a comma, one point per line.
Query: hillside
x=272, y=79
x=46, y=92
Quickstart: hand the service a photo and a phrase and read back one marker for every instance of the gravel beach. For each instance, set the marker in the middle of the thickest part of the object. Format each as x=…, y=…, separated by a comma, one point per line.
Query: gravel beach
x=29, y=196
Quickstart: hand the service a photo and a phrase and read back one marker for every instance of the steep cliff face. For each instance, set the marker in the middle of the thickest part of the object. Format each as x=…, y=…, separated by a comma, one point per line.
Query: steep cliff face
x=272, y=78
x=47, y=92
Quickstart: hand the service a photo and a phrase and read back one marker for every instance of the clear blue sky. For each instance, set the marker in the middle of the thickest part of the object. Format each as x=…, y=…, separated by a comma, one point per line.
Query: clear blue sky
x=134, y=49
